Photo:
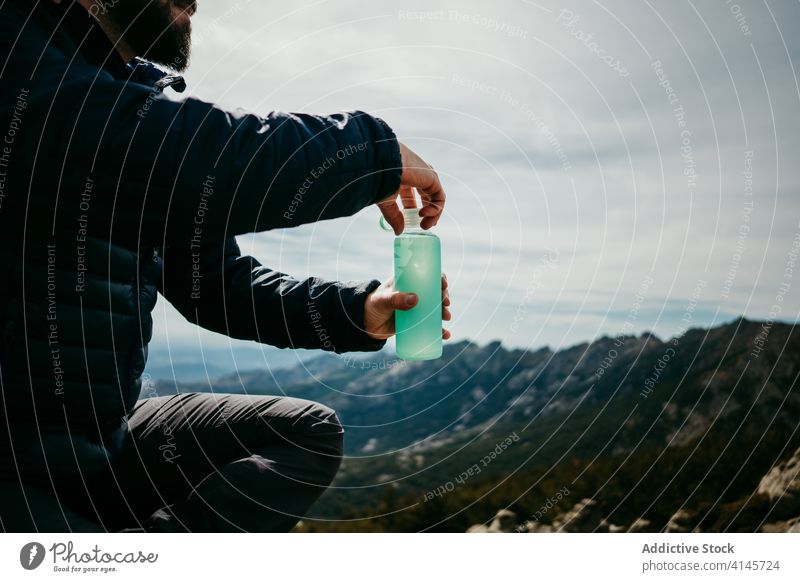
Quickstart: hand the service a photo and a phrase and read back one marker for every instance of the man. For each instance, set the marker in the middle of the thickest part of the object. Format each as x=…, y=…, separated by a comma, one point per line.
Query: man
x=111, y=193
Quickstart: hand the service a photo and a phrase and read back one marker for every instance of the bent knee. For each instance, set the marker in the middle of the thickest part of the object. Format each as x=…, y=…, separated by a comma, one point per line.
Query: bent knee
x=320, y=432
x=308, y=425
x=315, y=417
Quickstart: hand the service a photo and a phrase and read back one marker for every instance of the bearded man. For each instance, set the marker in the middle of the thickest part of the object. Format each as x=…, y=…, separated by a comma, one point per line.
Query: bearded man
x=111, y=193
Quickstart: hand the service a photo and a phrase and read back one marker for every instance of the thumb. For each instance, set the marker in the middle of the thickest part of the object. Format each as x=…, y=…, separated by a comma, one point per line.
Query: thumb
x=399, y=300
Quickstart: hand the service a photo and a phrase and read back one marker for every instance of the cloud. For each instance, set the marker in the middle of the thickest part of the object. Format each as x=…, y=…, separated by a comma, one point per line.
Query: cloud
x=543, y=144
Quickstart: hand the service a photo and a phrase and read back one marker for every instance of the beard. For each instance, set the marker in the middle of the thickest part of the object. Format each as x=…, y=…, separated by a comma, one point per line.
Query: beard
x=151, y=30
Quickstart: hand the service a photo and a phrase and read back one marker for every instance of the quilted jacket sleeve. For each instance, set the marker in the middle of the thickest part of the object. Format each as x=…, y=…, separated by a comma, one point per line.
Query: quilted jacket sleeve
x=214, y=286
x=176, y=170
x=187, y=175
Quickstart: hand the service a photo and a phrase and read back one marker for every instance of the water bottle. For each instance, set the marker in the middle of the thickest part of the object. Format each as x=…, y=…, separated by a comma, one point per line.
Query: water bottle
x=418, y=269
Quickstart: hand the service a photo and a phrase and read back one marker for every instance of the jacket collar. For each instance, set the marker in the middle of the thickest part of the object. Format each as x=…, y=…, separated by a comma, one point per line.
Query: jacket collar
x=146, y=73
x=88, y=38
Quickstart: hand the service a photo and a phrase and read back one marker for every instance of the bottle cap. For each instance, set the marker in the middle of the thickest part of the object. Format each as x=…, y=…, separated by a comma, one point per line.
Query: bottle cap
x=411, y=219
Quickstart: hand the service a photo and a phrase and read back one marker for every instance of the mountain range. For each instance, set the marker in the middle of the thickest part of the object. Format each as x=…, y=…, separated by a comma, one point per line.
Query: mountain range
x=635, y=427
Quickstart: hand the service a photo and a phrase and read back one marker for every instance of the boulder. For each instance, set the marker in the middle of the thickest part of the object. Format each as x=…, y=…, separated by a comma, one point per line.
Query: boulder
x=504, y=521
x=682, y=521
x=532, y=526
x=585, y=516
x=788, y=526
x=782, y=486
x=640, y=525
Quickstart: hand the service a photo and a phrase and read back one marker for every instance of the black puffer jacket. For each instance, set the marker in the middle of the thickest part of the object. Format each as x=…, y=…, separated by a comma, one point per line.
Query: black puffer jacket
x=110, y=192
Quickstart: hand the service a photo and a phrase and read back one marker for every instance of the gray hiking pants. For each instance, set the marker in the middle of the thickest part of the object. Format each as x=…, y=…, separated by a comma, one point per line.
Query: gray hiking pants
x=192, y=462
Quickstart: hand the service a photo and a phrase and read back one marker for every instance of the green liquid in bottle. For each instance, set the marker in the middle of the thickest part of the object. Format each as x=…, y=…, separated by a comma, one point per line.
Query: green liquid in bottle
x=418, y=269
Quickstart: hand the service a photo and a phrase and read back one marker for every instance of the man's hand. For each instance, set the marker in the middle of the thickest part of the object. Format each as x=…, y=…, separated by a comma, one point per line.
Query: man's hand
x=417, y=173
x=381, y=304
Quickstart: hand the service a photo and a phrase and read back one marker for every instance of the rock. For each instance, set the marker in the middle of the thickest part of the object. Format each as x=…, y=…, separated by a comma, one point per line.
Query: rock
x=640, y=525
x=788, y=526
x=583, y=517
x=533, y=526
x=604, y=526
x=504, y=521
x=782, y=486
x=682, y=521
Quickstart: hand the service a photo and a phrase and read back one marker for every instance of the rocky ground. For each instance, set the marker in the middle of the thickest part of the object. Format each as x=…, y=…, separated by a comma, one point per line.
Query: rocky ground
x=777, y=495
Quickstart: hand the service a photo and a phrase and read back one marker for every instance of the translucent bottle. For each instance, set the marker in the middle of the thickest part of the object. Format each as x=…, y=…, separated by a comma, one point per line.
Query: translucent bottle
x=418, y=269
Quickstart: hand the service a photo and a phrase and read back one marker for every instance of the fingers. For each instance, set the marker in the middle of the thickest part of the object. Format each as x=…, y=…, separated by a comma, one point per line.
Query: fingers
x=399, y=300
x=391, y=212
x=433, y=198
x=446, y=334
x=419, y=174
x=402, y=301
x=407, y=197
x=392, y=215
x=432, y=216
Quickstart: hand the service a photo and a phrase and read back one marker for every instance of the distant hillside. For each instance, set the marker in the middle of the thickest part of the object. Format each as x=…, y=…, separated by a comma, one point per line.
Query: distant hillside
x=641, y=426
x=196, y=363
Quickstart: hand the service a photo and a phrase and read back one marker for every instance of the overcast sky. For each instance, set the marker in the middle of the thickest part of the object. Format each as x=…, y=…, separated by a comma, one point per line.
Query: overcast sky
x=595, y=154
